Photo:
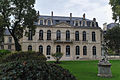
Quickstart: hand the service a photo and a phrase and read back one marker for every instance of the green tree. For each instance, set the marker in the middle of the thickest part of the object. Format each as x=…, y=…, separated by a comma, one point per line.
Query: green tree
x=57, y=56
x=115, y=4
x=112, y=39
x=18, y=15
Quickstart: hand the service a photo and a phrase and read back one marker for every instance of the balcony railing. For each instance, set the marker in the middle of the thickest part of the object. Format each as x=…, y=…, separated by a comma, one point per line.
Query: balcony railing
x=63, y=41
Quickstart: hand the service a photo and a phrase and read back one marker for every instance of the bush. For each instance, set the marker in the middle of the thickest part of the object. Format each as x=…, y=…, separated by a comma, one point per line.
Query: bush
x=23, y=56
x=4, y=52
x=33, y=70
x=57, y=56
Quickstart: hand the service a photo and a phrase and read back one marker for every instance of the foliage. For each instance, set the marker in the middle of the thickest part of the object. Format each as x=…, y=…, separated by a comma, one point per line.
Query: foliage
x=112, y=39
x=17, y=16
x=110, y=52
x=115, y=4
x=22, y=56
x=32, y=70
x=57, y=56
x=4, y=52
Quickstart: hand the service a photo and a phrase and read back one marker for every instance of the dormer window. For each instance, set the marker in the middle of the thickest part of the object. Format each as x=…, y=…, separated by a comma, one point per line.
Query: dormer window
x=41, y=22
x=68, y=22
x=57, y=21
x=88, y=23
x=83, y=23
x=49, y=22
x=93, y=25
x=76, y=23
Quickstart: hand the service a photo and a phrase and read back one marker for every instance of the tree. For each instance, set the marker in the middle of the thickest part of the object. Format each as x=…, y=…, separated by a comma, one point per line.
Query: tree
x=112, y=39
x=57, y=56
x=18, y=15
x=115, y=4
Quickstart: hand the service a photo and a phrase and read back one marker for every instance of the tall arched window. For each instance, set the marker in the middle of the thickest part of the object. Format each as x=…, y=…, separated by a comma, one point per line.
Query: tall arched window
x=58, y=35
x=49, y=22
x=67, y=50
x=58, y=48
x=48, y=50
x=84, y=36
x=93, y=36
x=77, y=50
x=29, y=48
x=67, y=35
x=48, y=35
x=41, y=35
x=41, y=49
x=77, y=36
x=30, y=35
x=94, y=50
x=84, y=50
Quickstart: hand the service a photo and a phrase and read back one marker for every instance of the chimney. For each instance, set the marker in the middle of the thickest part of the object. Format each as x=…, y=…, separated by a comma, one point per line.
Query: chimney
x=52, y=13
x=38, y=13
x=84, y=16
x=70, y=15
x=94, y=19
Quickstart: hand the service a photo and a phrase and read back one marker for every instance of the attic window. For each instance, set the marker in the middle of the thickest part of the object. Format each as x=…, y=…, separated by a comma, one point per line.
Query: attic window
x=68, y=22
x=57, y=21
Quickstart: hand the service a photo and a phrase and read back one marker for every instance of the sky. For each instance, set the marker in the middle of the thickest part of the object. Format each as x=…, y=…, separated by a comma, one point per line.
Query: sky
x=99, y=9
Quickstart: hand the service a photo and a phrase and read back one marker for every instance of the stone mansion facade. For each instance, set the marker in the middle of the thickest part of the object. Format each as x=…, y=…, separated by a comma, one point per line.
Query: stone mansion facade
x=76, y=37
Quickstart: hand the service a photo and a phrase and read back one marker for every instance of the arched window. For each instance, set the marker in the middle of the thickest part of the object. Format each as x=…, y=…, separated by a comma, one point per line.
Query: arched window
x=77, y=36
x=84, y=50
x=41, y=22
x=93, y=36
x=30, y=35
x=83, y=23
x=58, y=48
x=58, y=35
x=93, y=25
x=77, y=50
x=29, y=48
x=41, y=35
x=67, y=35
x=41, y=49
x=48, y=50
x=49, y=22
x=84, y=36
x=48, y=35
x=67, y=50
x=76, y=23
x=94, y=50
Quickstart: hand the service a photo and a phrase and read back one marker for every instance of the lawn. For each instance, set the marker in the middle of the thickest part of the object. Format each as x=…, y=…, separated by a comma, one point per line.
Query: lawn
x=87, y=70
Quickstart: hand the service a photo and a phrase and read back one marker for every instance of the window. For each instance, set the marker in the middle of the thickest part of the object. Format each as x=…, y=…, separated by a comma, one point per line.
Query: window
x=84, y=36
x=93, y=25
x=48, y=50
x=49, y=22
x=77, y=50
x=41, y=49
x=48, y=35
x=68, y=22
x=9, y=47
x=30, y=35
x=67, y=50
x=29, y=48
x=10, y=40
x=41, y=35
x=88, y=23
x=67, y=35
x=94, y=50
x=58, y=48
x=84, y=50
x=93, y=36
x=76, y=23
x=77, y=36
x=83, y=23
x=58, y=35
x=41, y=22
x=2, y=46
x=80, y=23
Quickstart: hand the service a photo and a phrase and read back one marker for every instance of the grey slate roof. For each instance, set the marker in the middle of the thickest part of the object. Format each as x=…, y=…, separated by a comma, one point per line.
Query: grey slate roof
x=7, y=32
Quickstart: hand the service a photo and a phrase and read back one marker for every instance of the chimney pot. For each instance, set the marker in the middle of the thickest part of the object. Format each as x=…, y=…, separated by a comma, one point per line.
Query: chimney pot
x=52, y=13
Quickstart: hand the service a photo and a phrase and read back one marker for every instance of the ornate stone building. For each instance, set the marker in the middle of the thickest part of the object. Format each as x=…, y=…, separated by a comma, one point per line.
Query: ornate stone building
x=76, y=37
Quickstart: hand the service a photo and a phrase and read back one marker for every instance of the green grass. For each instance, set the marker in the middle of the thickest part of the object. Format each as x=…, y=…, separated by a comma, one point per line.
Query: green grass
x=87, y=70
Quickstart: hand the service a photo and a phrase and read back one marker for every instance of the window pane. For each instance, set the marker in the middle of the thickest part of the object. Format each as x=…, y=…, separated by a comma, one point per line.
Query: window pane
x=67, y=50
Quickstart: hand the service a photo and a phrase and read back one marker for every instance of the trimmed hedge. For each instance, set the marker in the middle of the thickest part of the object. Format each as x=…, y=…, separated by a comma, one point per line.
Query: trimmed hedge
x=22, y=56
x=33, y=70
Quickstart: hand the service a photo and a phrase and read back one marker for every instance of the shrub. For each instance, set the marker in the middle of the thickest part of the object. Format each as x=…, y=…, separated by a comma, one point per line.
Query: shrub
x=22, y=56
x=57, y=56
x=33, y=70
x=4, y=52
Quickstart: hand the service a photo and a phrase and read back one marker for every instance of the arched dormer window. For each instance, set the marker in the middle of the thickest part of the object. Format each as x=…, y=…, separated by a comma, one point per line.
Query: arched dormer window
x=76, y=23
x=41, y=22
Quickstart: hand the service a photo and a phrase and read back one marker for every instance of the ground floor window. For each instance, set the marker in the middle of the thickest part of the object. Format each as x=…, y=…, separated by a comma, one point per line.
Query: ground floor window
x=48, y=50
x=67, y=50
x=94, y=50
x=29, y=48
x=41, y=49
x=58, y=48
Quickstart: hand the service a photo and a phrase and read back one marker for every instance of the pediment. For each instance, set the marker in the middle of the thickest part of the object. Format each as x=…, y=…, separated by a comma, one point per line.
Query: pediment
x=62, y=24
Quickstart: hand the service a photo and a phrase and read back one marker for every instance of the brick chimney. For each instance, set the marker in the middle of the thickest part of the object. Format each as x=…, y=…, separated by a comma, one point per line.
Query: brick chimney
x=84, y=16
x=51, y=13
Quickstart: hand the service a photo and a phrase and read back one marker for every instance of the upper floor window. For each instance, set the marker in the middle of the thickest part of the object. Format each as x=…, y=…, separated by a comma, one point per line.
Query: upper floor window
x=41, y=35
x=77, y=36
x=10, y=40
x=29, y=48
x=93, y=36
x=48, y=35
x=41, y=49
x=49, y=22
x=30, y=35
x=84, y=50
x=94, y=50
x=67, y=35
x=67, y=50
x=58, y=48
x=58, y=35
x=84, y=36
x=48, y=50
x=80, y=23
x=77, y=50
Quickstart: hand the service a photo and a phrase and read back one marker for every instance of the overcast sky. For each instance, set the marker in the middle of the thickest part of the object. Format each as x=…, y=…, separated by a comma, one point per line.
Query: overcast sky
x=99, y=9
